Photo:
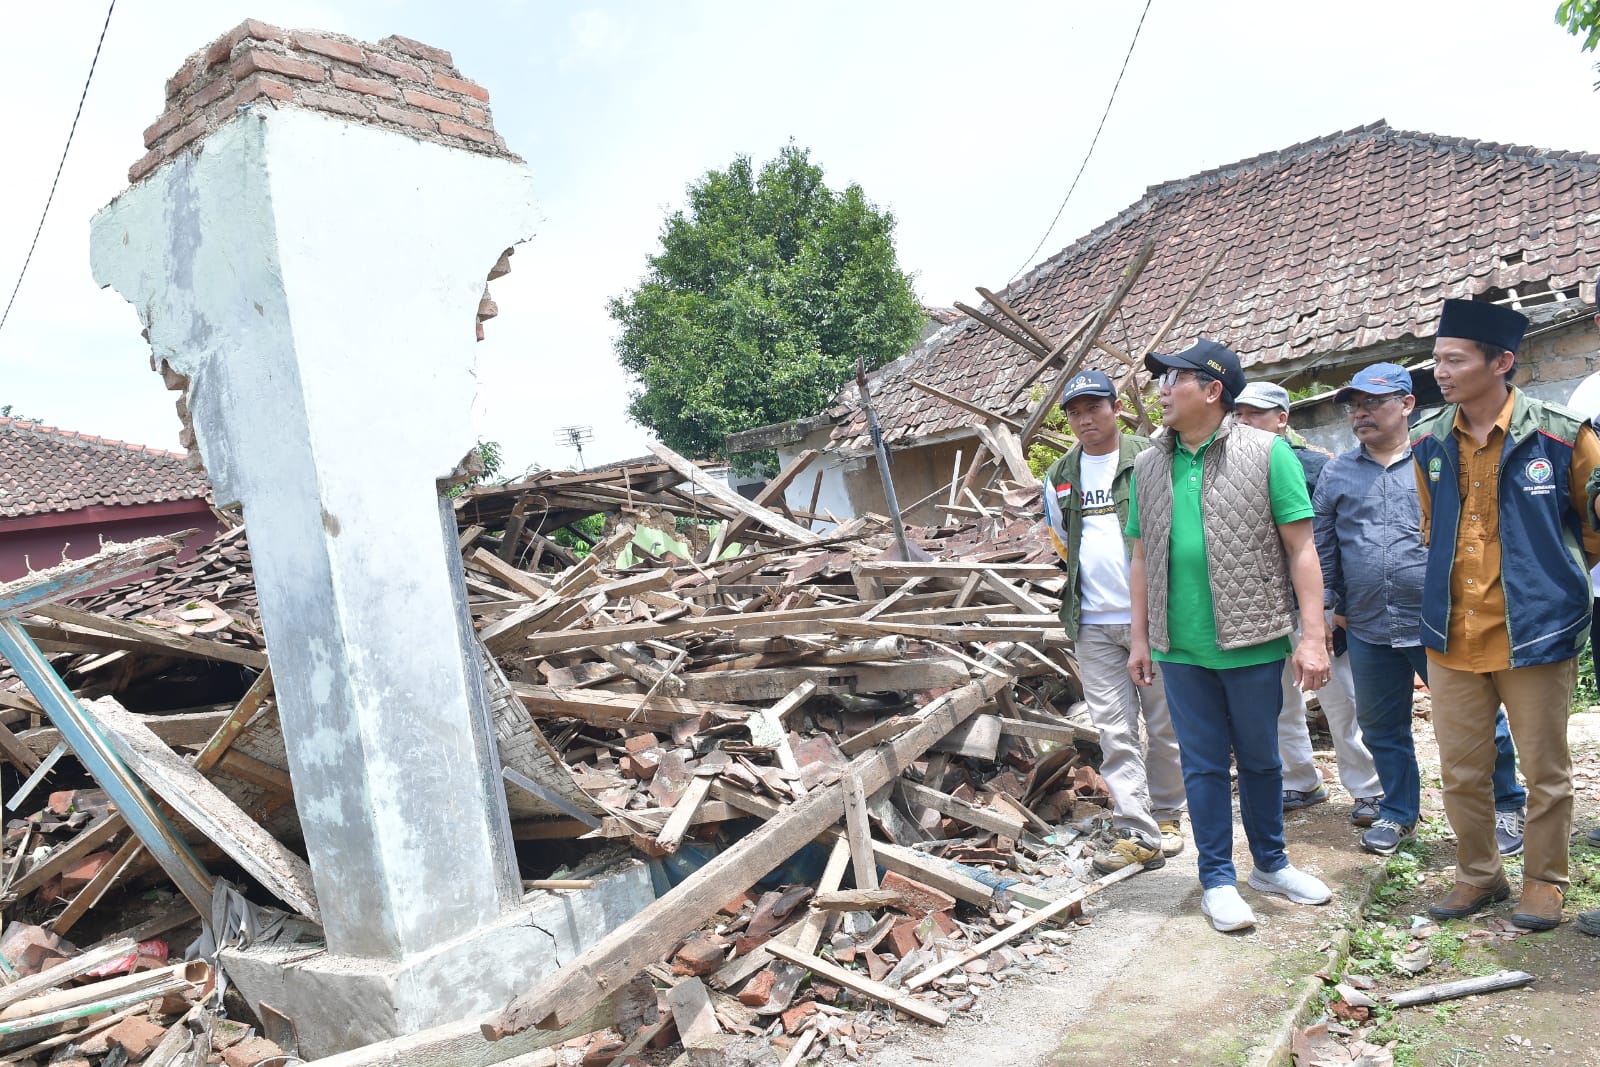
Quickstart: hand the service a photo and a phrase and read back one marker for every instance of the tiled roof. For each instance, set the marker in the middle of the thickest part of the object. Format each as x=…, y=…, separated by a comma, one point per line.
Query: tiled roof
x=1334, y=245
x=44, y=469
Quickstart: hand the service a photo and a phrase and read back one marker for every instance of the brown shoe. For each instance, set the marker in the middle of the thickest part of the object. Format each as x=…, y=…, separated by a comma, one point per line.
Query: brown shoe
x=1464, y=900
x=1540, y=906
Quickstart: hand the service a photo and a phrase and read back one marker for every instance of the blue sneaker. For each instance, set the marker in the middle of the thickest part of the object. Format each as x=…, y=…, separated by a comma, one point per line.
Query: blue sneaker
x=1297, y=798
x=1508, y=831
x=1386, y=836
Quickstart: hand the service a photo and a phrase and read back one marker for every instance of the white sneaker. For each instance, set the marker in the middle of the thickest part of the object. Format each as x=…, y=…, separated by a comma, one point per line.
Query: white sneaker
x=1226, y=909
x=1298, y=886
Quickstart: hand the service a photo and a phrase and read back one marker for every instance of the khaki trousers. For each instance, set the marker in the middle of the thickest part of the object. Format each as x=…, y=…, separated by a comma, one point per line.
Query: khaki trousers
x=1537, y=701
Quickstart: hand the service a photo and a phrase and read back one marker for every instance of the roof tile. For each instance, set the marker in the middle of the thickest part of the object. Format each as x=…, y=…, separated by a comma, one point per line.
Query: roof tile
x=44, y=469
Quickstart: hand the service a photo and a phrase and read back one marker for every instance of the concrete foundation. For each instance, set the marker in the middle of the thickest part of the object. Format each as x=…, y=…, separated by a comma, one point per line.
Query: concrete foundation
x=339, y=1003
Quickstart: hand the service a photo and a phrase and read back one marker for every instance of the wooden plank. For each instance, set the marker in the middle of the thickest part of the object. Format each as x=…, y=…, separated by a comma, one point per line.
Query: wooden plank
x=690, y=1004
x=621, y=710
x=955, y=569
x=773, y=490
x=236, y=721
x=1012, y=595
x=1010, y=455
x=1017, y=929
x=683, y=813
x=858, y=829
x=20, y=755
x=519, y=580
x=765, y=624
x=176, y=781
x=933, y=872
x=67, y=970
x=153, y=637
x=1130, y=276
x=1065, y=734
x=38, y=589
x=649, y=935
x=726, y=496
x=875, y=735
x=971, y=814
x=861, y=984
x=91, y=893
x=773, y=683
x=61, y=858
x=856, y=900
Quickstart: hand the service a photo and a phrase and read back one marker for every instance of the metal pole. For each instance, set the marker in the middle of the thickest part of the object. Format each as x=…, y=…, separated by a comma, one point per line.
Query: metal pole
x=883, y=460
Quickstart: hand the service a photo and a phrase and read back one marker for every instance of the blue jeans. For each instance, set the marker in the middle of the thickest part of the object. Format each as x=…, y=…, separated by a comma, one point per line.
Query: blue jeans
x=1217, y=714
x=1383, y=708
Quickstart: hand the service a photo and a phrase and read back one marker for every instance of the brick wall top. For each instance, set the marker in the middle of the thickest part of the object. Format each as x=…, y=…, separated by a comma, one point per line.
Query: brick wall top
x=397, y=83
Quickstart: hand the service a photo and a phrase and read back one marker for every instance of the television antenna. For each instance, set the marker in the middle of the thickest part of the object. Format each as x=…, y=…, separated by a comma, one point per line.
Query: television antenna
x=574, y=437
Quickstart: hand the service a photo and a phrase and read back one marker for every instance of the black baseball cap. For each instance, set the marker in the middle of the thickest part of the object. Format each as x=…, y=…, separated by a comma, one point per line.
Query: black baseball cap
x=1208, y=358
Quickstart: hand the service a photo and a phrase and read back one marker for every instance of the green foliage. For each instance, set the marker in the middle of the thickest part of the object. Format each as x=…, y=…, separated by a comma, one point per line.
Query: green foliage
x=5, y=411
x=1585, y=694
x=485, y=469
x=592, y=527
x=1581, y=18
x=1041, y=455
x=1314, y=389
x=765, y=290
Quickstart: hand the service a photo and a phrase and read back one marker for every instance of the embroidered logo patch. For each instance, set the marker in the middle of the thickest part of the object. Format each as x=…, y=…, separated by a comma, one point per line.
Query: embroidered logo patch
x=1433, y=469
x=1539, y=470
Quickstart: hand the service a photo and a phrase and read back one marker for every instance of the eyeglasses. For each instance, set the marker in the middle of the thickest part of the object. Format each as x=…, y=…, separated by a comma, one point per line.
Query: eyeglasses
x=1371, y=403
x=1169, y=380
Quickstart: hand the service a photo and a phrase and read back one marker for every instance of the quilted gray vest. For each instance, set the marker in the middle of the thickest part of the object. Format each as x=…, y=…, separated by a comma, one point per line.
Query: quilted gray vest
x=1250, y=589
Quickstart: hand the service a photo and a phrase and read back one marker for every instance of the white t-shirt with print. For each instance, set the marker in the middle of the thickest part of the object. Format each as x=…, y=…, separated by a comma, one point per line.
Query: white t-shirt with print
x=1102, y=553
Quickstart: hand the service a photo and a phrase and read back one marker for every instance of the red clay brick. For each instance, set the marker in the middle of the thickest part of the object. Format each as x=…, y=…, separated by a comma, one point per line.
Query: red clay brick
x=181, y=80
x=641, y=743
x=161, y=127
x=208, y=94
x=172, y=144
x=60, y=802
x=916, y=898
x=451, y=128
x=327, y=46
x=84, y=871
x=138, y=1037
x=418, y=49
x=462, y=86
x=396, y=68
x=339, y=105
x=758, y=990
x=257, y=59
x=429, y=102
x=368, y=86
x=475, y=115
x=699, y=956
x=403, y=116
x=251, y=1052
x=250, y=29
x=903, y=937
x=145, y=165
x=260, y=85
x=796, y=1017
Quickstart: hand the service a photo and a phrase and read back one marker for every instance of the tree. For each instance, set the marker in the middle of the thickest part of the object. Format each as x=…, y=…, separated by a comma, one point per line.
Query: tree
x=765, y=290
x=1581, y=18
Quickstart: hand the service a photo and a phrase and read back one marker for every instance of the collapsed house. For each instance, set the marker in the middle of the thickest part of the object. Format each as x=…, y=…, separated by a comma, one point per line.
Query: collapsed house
x=417, y=781
x=1311, y=262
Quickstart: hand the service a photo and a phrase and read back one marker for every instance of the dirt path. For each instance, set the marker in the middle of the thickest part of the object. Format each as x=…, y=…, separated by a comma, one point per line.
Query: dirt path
x=1148, y=982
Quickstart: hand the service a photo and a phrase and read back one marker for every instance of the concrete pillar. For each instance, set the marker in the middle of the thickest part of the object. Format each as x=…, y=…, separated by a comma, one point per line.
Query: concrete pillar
x=307, y=246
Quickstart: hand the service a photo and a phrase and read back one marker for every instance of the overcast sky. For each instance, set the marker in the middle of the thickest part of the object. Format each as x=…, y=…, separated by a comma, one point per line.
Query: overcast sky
x=967, y=121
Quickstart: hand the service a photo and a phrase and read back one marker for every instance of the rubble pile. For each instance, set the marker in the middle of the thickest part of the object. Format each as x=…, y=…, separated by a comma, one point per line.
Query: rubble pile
x=864, y=783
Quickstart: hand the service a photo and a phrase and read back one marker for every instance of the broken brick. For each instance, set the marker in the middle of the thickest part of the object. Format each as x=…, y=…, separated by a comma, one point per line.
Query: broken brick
x=775, y=908
x=758, y=990
x=915, y=897
x=795, y=1018
x=903, y=937
x=699, y=956
x=251, y=1052
x=136, y=1036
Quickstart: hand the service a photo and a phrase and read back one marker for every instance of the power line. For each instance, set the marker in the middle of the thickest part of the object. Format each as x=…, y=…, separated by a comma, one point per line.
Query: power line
x=56, y=180
x=1096, y=140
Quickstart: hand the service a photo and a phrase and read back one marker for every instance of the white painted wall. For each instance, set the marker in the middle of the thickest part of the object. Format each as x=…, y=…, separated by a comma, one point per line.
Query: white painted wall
x=318, y=281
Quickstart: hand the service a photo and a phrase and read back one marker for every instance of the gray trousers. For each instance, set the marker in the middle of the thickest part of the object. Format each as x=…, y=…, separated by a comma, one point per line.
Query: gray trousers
x=1145, y=778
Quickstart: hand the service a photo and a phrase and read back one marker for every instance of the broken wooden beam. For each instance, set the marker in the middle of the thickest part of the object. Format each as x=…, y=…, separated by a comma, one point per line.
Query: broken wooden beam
x=861, y=984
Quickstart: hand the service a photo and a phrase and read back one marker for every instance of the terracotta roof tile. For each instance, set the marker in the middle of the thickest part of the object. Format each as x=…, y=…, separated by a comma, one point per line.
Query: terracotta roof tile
x=1337, y=243
x=45, y=469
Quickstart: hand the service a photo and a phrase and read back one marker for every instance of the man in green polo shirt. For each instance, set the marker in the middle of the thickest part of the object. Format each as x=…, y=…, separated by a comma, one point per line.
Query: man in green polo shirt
x=1222, y=552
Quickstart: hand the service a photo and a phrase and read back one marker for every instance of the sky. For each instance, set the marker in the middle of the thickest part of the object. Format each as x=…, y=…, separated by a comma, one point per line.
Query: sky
x=966, y=121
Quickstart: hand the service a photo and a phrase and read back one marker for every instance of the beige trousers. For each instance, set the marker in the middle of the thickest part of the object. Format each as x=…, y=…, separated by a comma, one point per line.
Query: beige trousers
x=1537, y=701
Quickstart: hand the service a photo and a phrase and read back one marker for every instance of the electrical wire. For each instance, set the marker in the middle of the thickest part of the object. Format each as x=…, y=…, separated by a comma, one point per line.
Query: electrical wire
x=57, y=179
x=1094, y=141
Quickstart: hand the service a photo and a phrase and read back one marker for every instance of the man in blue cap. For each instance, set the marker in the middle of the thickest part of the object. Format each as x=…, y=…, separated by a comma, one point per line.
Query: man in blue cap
x=1222, y=548
x=1506, y=601
x=1265, y=406
x=1373, y=560
x=1086, y=494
